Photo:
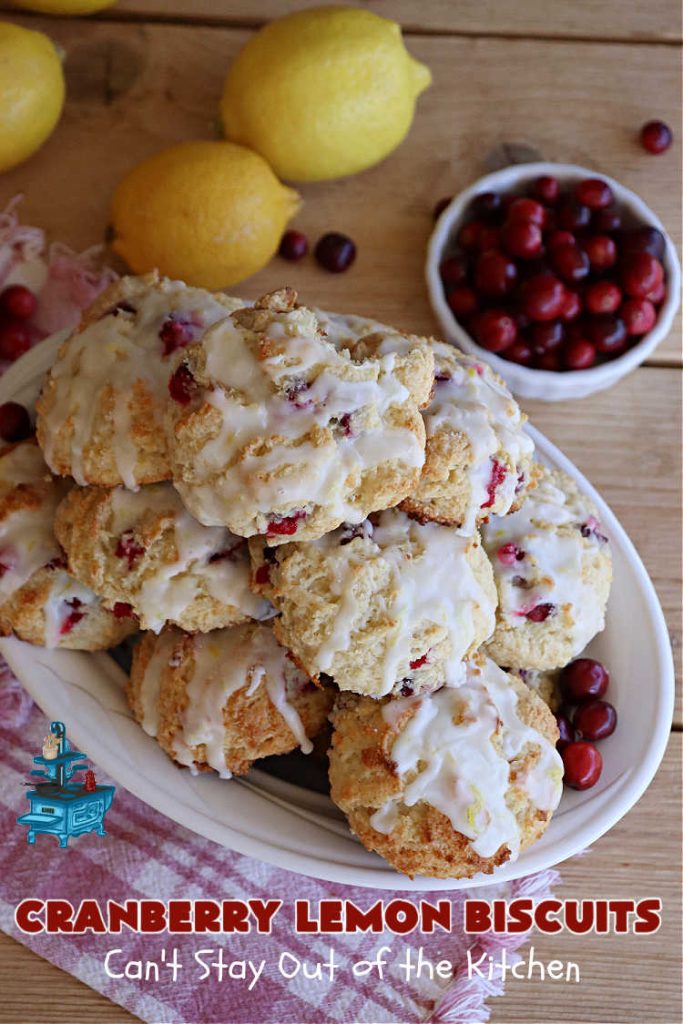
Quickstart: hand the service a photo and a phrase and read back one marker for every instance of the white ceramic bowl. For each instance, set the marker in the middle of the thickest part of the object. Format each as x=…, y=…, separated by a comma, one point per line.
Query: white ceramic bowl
x=301, y=830
x=545, y=384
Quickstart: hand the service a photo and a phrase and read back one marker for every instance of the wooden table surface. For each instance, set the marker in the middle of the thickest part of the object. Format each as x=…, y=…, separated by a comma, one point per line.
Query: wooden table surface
x=573, y=81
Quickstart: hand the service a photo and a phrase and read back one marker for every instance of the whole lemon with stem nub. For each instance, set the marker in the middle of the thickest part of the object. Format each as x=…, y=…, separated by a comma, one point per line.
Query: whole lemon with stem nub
x=323, y=93
x=209, y=213
x=31, y=92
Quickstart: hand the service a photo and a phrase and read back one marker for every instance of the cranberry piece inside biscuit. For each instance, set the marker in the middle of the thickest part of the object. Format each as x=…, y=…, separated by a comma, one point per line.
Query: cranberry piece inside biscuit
x=74, y=616
x=182, y=385
x=541, y=612
x=285, y=526
x=498, y=474
x=129, y=548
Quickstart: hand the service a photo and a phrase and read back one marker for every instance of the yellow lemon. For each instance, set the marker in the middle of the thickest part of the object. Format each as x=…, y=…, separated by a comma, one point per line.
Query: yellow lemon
x=209, y=213
x=31, y=92
x=64, y=6
x=323, y=93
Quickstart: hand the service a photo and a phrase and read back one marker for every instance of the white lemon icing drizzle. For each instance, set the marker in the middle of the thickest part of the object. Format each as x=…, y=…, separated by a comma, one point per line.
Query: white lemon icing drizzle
x=473, y=402
x=226, y=661
x=164, y=595
x=269, y=456
x=547, y=530
x=343, y=330
x=150, y=686
x=64, y=588
x=431, y=581
x=446, y=752
x=27, y=540
x=118, y=350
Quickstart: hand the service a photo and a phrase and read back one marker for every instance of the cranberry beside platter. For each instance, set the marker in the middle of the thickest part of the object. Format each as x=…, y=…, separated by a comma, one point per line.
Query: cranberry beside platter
x=562, y=276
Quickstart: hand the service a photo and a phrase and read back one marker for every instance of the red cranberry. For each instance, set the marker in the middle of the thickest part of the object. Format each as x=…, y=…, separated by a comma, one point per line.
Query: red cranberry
x=509, y=554
x=468, y=236
x=601, y=251
x=579, y=355
x=441, y=206
x=542, y=297
x=419, y=662
x=607, y=333
x=262, y=574
x=641, y=272
x=642, y=239
x=462, y=301
x=602, y=297
x=594, y=193
x=657, y=294
x=656, y=137
x=494, y=274
x=572, y=306
x=73, y=618
x=557, y=238
x=15, y=424
x=335, y=252
x=572, y=215
x=519, y=352
x=453, y=271
x=570, y=262
x=18, y=302
x=595, y=720
x=293, y=246
x=489, y=238
x=584, y=679
x=606, y=221
x=521, y=238
x=541, y=612
x=566, y=729
x=498, y=474
x=182, y=385
x=285, y=525
x=639, y=316
x=123, y=610
x=582, y=765
x=546, y=336
x=14, y=339
x=175, y=333
x=487, y=205
x=496, y=330
x=548, y=361
x=129, y=548
x=546, y=189
x=526, y=210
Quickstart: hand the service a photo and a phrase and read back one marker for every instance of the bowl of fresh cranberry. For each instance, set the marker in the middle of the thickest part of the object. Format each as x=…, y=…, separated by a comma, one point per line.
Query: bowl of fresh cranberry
x=560, y=278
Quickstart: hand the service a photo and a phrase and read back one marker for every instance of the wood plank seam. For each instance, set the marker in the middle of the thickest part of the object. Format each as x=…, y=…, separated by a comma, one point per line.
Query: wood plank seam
x=251, y=24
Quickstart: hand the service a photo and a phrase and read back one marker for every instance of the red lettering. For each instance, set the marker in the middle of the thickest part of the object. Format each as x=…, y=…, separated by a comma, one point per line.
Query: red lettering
x=621, y=910
x=330, y=916
x=235, y=916
x=120, y=914
x=59, y=916
x=649, y=916
x=371, y=920
x=435, y=915
x=544, y=922
x=152, y=916
x=179, y=919
x=89, y=918
x=302, y=919
x=24, y=916
x=264, y=911
x=477, y=917
x=401, y=916
x=206, y=916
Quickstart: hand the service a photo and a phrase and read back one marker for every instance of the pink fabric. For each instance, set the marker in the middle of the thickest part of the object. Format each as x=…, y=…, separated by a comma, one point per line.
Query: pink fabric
x=145, y=855
x=148, y=856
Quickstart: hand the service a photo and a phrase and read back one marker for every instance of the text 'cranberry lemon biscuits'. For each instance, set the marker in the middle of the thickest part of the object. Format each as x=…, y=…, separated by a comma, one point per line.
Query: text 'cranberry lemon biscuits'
x=39, y=601
x=451, y=783
x=553, y=572
x=391, y=605
x=144, y=549
x=101, y=412
x=275, y=432
x=478, y=455
x=219, y=701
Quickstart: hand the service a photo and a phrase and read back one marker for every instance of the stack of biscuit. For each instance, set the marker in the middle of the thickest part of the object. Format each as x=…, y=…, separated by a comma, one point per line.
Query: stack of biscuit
x=308, y=517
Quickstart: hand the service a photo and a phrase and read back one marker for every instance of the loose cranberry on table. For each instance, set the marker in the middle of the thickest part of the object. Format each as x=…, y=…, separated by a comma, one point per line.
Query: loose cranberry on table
x=293, y=246
x=15, y=339
x=595, y=720
x=582, y=764
x=584, y=679
x=15, y=423
x=656, y=137
x=335, y=252
x=18, y=302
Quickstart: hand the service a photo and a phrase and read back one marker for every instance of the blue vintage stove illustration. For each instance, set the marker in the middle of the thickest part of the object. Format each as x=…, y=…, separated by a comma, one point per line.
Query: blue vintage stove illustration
x=59, y=806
